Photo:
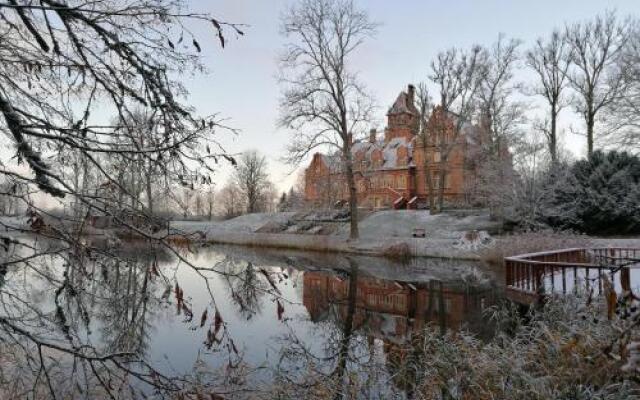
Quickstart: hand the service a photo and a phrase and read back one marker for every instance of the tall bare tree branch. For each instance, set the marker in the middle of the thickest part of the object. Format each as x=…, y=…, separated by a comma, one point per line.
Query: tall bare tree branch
x=323, y=100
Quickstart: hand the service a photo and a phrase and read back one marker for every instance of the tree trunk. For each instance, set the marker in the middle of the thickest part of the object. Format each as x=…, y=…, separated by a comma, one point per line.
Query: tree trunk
x=133, y=196
x=553, y=138
x=353, y=196
x=445, y=150
x=149, y=194
x=441, y=178
x=590, y=125
x=429, y=181
x=120, y=192
x=251, y=200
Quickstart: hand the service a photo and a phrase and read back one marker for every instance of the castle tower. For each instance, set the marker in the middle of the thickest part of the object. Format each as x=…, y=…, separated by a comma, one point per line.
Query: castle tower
x=403, y=116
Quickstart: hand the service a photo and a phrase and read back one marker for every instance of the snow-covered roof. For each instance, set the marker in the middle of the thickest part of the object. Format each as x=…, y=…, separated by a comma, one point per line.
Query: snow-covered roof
x=389, y=151
x=366, y=149
x=363, y=146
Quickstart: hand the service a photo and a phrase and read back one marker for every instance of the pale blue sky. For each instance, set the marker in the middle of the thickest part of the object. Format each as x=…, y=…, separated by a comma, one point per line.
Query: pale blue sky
x=241, y=84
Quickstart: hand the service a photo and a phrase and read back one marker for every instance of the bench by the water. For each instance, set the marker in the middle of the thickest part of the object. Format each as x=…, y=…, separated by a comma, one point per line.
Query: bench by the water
x=530, y=277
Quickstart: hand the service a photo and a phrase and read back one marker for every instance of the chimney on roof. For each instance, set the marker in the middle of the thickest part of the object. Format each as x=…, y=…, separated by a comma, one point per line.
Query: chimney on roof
x=411, y=92
x=372, y=135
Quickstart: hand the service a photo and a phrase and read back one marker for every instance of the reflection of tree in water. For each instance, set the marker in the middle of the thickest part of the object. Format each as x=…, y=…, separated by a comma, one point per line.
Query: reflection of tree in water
x=374, y=331
x=347, y=328
x=327, y=374
x=128, y=296
x=367, y=328
x=51, y=303
x=247, y=285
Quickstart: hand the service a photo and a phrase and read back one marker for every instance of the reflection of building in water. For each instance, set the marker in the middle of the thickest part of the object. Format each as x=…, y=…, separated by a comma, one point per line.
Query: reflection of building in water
x=392, y=310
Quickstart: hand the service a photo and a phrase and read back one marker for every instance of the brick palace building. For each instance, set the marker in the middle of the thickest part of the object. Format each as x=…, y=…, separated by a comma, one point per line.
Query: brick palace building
x=389, y=170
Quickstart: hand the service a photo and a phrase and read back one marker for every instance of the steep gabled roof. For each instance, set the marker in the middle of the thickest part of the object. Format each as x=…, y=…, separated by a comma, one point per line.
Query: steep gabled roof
x=333, y=162
x=403, y=105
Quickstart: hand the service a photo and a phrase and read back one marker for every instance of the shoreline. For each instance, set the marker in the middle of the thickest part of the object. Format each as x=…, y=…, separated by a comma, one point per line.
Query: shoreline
x=417, y=247
x=383, y=234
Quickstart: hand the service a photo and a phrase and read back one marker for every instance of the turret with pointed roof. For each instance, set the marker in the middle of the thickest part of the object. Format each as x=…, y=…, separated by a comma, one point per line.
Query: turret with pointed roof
x=403, y=116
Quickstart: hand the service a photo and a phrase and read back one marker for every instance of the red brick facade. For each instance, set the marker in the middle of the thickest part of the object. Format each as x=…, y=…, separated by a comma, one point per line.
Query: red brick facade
x=390, y=172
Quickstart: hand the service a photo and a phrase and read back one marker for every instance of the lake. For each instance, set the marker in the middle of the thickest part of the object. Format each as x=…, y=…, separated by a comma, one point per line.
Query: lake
x=239, y=319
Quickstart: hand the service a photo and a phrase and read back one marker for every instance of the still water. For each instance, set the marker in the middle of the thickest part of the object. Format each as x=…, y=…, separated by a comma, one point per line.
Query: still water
x=244, y=317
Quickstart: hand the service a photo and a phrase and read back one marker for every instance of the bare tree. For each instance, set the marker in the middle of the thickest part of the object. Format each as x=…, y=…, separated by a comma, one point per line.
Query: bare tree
x=549, y=60
x=63, y=65
x=426, y=139
x=294, y=200
x=183, y=200
x=500, y=114
x=251, y=179
x=624, y=113
x=501, y=117
x=230, y=200
x=595, y=77
x=458, y=76
x=210, y=201
x=267, y=201
x=323, y=100
x=525, y=193
x=199, y=204
x=142, y=130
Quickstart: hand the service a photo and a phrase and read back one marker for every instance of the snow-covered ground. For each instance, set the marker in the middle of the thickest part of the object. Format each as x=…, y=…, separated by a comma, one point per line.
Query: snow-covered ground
x=243, y=224
x=378, y=232
x=446, y=234
x=377, y=225
x=401, y=224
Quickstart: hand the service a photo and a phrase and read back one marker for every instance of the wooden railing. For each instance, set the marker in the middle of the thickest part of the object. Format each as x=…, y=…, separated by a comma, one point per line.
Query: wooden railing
x=529, y=277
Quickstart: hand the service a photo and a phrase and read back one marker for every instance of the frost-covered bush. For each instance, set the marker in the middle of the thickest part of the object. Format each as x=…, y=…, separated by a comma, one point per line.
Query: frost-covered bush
x=564, y=351
x=597, y=195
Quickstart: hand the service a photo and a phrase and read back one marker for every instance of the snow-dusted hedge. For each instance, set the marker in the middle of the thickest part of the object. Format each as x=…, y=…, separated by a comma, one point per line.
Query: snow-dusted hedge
x=599, y=195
